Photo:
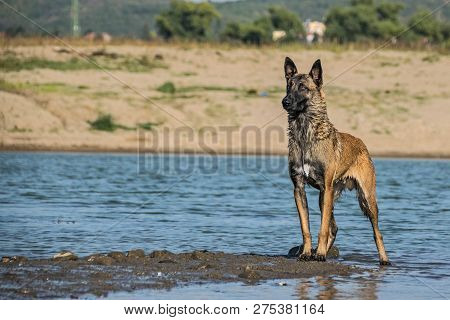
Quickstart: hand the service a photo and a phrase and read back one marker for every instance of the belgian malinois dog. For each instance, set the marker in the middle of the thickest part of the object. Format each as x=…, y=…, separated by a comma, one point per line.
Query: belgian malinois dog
x=326, y=159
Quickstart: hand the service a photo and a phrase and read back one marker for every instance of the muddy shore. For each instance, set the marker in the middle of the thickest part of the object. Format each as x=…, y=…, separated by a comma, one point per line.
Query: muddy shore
x=71, y=277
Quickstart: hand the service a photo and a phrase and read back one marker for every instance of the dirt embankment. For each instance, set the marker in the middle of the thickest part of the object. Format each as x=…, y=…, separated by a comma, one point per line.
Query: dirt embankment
x=188, y=99
x=67, y=276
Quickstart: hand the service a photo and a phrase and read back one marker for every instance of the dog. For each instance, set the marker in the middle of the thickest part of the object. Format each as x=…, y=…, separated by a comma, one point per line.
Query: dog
x=326, y=159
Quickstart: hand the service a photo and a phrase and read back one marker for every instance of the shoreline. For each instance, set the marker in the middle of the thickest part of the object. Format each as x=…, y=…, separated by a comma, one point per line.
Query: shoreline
x=102, y=273
x=127, y=150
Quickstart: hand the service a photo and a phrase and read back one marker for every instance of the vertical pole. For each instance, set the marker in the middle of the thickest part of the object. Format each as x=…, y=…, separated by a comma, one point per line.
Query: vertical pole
x=75, y=21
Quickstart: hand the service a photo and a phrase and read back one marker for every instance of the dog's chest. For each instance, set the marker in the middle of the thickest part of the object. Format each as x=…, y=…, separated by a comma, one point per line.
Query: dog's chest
x=311, y=171
x=303, y=169
x=308, y=170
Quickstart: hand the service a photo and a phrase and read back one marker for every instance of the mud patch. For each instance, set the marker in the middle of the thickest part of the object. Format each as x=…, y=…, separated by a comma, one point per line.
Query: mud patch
x=99, y=274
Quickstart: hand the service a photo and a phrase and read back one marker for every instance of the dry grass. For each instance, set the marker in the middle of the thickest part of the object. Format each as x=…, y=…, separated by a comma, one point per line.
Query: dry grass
x=6, y=43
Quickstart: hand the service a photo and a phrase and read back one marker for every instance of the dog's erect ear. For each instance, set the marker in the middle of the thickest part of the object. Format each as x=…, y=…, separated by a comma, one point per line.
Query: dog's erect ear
x=316, y=73
x=289, y=68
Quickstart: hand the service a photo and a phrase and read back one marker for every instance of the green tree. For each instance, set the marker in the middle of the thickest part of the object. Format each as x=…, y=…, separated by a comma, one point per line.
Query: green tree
x=260, y=31
x=256, y=32
x=283, y=19
x=388, y=24
x=232, y=32
x=424, y=24
x=361, y=2
x=265, y=27
x=347, y=24
x=446, y=30
x=389, y=11
x=363, y=20
x=187, y=20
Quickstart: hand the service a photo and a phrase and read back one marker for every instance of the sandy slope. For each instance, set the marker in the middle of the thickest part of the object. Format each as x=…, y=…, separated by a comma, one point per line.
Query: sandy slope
x=228, y=101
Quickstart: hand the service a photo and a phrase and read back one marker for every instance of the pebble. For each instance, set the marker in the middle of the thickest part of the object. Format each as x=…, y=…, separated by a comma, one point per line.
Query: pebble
x=6, y=259
x=250, y=274
x=205, y=267
x=166, y=261
x=138, y=253
x=201, y=255
x=65, y=256
x=117, y=256
x=160, y=254
x=101, y=260
x=19, y=259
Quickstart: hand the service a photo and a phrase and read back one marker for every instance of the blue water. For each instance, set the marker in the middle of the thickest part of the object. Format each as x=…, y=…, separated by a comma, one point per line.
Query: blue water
x=101, y=202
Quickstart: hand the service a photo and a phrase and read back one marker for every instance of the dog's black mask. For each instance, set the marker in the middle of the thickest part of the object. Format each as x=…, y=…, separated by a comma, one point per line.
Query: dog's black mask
x=294, y=101
x=300, y=88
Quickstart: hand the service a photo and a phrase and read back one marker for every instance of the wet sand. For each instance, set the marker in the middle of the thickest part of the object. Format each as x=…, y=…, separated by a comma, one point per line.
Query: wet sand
x=68, y=276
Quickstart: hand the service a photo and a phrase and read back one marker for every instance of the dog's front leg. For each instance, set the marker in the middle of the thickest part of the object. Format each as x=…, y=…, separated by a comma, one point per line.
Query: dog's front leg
x=327, y=211
x=303, y=214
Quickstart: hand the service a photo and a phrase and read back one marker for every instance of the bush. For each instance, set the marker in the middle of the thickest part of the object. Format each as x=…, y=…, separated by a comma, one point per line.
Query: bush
x=233, y=32
x=147, y=125
x=167, y=87
x=9, y=87
x=254, y=34
x=187, y=20
x=283, y=19
x=13, y=63
x=131, y=64
x=104, y=122
x=425, y=25
x=260, y=31
x=363, y=20
x=366, y=20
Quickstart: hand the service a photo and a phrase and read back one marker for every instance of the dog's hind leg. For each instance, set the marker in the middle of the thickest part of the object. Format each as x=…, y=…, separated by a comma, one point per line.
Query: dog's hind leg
x=368, y=203
x=332, y=234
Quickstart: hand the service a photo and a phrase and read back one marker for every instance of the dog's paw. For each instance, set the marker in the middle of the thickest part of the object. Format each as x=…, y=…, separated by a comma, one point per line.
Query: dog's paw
x=320, y=257
x=385, y=263
x=305, y=257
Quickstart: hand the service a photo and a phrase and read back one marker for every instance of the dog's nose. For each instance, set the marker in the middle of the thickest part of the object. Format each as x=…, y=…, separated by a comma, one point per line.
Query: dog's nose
x=286, y=102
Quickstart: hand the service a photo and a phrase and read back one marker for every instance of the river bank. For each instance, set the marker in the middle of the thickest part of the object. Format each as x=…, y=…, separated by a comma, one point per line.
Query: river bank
x=68, y=276
x=179, y=99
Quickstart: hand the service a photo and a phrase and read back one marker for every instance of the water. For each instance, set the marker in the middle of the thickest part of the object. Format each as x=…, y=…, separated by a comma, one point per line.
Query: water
x=101, y=202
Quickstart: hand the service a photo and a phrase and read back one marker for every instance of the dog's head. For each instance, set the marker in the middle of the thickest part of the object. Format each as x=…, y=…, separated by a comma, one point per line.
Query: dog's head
x=301, y=89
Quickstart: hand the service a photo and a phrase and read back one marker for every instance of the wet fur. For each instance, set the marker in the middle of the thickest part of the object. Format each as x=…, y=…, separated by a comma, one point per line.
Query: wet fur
x=326, y=159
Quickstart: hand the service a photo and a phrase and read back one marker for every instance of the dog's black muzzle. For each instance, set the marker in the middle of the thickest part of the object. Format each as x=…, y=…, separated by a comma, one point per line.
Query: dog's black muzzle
x=287, y=103
x=291, y=107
